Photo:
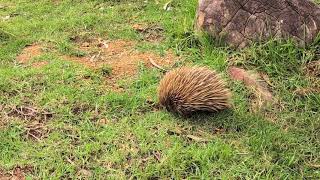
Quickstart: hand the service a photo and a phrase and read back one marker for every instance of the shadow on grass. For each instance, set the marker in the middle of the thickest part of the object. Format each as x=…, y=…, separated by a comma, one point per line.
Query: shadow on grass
x=226, y=120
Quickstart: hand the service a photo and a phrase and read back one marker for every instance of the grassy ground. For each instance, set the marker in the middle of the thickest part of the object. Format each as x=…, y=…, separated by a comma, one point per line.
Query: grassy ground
x=82, y=128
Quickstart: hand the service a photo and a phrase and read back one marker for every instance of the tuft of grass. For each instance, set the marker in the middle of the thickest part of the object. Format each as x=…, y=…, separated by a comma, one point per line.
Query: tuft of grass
x=276, y=57
x=106, y=70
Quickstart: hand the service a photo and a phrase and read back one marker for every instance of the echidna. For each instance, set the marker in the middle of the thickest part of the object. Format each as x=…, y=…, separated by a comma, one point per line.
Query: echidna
x=191, y=89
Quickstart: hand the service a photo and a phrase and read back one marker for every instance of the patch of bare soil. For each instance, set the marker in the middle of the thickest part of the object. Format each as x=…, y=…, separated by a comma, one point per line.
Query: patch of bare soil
x=17, y=173
x=36, y=131
x=28, y=113
x=30, y=52
x=35, y=120
x=120, y=56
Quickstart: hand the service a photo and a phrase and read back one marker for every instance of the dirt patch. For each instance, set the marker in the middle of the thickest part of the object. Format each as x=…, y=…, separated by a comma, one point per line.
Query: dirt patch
x=34, y=120
x=120, y=55
x=36, y=131
x=126, y=64
x=17, y=173
x=29, y=52
x=29, y=113
x=56, y=2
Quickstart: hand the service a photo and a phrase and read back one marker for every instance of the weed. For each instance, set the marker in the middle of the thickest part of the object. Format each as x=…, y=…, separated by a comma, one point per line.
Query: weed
x=106, y=70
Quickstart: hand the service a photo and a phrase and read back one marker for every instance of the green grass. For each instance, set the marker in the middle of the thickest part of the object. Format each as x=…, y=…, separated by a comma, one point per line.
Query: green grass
x=135, y=141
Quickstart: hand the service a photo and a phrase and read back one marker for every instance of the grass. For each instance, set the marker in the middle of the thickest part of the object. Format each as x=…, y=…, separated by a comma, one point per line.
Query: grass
x=94, y=132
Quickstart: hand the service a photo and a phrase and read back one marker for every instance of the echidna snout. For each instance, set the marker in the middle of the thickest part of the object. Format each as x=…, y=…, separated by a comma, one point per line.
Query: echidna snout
x=187, y=90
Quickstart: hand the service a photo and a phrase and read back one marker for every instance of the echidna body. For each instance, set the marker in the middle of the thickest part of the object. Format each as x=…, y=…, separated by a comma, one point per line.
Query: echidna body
x=190, y=89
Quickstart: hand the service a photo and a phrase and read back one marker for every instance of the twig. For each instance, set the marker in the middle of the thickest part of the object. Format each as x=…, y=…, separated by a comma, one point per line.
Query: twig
x=92, y=58
x=156, y=65
x=314, y=165
x=34, y=136
x=20, y=111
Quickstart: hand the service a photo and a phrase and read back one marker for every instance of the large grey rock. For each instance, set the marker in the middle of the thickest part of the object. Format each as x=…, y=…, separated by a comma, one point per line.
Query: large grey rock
x=240, y=22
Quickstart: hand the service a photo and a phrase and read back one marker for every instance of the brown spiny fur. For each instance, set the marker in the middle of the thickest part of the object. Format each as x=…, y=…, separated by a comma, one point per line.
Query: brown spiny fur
x=190, y=89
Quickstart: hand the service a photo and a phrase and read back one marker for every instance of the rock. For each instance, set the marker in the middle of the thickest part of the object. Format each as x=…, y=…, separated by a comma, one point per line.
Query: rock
x=254, y=82
x=239, y=22
x=251, y=80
